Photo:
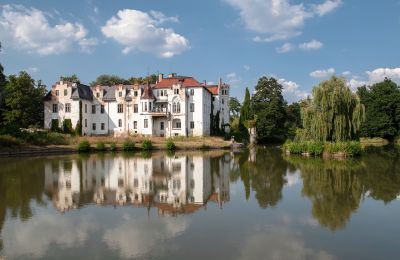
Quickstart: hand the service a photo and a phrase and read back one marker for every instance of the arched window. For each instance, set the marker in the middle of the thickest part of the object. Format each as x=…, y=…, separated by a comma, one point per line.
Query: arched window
x=174, y=107
x=178, y=107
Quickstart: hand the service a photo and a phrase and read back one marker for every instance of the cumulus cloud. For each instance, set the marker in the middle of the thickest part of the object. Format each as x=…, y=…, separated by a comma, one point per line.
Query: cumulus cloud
x=142, y=31
x=143, y=238
x=375, y=76
x=30, y=29
x=322, y=73
x=278, y=19
x=246, y=67
x=291, y=90
x=22, y=237
x=346, y=73
x=327, y=7
x=286, y=47
x=311, y=45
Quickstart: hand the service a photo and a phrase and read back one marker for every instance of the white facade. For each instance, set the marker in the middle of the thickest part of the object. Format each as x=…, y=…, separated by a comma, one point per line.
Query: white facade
x=175, y=106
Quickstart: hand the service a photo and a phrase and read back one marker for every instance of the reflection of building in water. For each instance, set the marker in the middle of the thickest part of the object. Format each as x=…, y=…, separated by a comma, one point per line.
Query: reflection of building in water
x=175, y=185
x=62, y=180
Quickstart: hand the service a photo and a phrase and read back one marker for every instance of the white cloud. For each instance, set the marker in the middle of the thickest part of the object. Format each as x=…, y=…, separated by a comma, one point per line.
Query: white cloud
x=346, y=73
x=278, y=19
x=246, y=67
x=233, y=79
x=286, y=47
x=322, y=73
x=141, y=31
x=327, y=7
x=29, y=29
x=375, y=76
x=311, y=45
x=34, y=237
x=291, y=90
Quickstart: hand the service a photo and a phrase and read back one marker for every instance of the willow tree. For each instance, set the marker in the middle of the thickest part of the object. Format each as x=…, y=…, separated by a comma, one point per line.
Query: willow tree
x=334, y=113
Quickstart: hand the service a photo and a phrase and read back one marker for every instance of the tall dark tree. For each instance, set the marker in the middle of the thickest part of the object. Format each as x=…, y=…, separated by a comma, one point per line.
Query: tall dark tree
x=293, y=119
x=2, y=88
x=245, y=110
x=269, y=109
x=382, y=109
x=24, y=101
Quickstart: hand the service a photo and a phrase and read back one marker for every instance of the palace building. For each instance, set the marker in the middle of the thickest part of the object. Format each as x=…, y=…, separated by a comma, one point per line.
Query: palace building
x=174, y=106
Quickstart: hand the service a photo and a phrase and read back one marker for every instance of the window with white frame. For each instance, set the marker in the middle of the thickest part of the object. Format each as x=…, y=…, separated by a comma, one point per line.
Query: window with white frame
x=93, y=109
x=65, y=92
x=120, y=108
x=85, y=122
x=176, y=123
x=57, y=93
x=55, y=108
x=191, y=107
x=120, y=93
x=135, y=108
x=85, y=108
x=102, y=109
x=134, y=124
x=192, y=92
x=94, y=126
x=146, y=123
x=119, y=122
x=67, y=107
x=191, y=124
x=176, y=91
x=102, y=126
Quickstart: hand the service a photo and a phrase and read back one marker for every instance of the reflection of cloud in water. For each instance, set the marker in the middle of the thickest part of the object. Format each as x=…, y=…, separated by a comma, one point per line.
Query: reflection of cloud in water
x=274, y=242
x=292, y=178
x=135, y=237
x=34, y=237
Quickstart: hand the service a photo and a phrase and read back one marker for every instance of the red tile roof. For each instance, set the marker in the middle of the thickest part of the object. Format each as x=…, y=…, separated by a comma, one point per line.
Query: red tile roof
x=186, y=82
x=147, y=93
x=213, y=89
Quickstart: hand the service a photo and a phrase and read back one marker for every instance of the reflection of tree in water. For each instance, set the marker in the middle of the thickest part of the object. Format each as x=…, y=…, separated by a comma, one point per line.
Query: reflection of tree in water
x=265, y=175
x=21, y=182
x=334, y=187
x=381, y=174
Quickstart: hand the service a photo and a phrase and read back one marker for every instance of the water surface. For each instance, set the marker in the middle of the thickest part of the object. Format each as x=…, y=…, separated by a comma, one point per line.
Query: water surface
x=255, y=204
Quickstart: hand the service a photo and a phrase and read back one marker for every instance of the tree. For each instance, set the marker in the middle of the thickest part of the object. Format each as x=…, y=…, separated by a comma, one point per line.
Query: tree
x=2, y=88
x=152, y=79
x=108, y=80
x=333, y=114
x=73, y=78
x=293, y=120
x=24, y=101
x=269, y=110
x=245, y=110
x=234, y=107
x=382, y=109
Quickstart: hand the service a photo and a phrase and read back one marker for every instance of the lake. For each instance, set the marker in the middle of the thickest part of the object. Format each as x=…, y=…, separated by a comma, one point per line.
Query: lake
x=256, y=204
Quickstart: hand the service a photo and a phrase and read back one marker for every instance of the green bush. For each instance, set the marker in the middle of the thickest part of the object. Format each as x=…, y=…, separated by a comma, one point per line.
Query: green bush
x=9, y=141
x=353, y=148
x=100, y=147
x=128, y=145
x=147, y=145
x=314, y=148
x=54, y=126
x=78, y=128
x=204, y=147
x=84, y=147
x=113, y=147
x=170, y=145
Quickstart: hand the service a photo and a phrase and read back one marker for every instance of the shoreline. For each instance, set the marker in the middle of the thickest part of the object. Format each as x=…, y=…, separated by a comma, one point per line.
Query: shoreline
x=65, y=150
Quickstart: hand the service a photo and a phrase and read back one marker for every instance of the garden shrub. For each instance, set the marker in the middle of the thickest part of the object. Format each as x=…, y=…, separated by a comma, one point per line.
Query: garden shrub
x=147, y=145
x=128, y=145
x=170, y=145
x=100, y=147
x=84, y=147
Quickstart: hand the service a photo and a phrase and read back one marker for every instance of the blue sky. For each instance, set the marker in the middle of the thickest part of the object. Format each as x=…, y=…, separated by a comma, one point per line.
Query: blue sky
x=298, y=42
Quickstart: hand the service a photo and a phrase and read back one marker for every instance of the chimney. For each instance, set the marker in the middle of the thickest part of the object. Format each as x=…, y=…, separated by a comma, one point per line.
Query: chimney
x=205, y=83
x=172, y=75
x=160, y=77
